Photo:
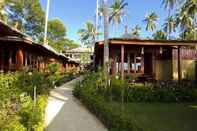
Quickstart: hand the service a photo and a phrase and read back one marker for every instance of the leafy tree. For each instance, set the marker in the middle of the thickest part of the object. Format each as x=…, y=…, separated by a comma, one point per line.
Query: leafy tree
x=70, y=44
x=151, y=20
x=136, y=32
x=159, y=35
x=56, y=29
x=29, y=14
x=56, y=34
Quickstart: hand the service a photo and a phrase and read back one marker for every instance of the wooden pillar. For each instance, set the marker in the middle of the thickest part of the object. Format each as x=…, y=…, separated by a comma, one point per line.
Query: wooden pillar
x=129, y=62
x=10, y=59
x=135, y=63
x=26, y=59
x=142, y=63
x=179, y=65
x=113, y=65
x=1, y=59
x=122, y=62
x=19, y=59
x=153, y=62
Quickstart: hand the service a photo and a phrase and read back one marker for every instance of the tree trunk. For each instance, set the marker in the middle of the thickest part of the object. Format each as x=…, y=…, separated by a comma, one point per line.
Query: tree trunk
x=106, y=35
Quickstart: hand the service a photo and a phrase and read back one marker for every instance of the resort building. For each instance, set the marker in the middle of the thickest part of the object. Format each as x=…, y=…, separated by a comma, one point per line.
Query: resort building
x=18, y=51
x=150, y=59
x=81, y=55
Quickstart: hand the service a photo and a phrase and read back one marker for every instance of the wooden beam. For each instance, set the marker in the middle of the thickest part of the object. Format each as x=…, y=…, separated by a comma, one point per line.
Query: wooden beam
x=122, y=62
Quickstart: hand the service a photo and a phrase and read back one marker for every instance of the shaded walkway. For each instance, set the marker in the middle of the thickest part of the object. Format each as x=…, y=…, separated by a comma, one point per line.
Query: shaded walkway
x=65, y=113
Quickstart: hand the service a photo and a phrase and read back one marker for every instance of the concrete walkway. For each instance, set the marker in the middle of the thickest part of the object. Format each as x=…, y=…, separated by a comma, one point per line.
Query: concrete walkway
x=65, y=113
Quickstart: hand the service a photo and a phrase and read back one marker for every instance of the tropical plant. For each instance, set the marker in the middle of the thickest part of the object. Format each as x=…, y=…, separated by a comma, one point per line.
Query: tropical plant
x=183, y=20
x=136, y=32
x=117, y=12
x=169, y=25
x=189, y=34
x=191, y=7
x=2, y=10
x=159, y=35
x=150, y=21
x=88, y=34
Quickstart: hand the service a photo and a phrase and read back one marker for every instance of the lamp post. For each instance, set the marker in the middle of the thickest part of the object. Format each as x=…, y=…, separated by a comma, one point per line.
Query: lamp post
x=46, y=22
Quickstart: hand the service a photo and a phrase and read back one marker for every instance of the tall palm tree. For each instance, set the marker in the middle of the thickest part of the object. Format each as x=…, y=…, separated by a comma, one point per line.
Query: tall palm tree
x=183, y=20
x=2, y=11
x=169, y=5
x=151, y=20
x=106, y=35
x=136, y=32
x=169, y=25
x=117, y=12
x=88, y=34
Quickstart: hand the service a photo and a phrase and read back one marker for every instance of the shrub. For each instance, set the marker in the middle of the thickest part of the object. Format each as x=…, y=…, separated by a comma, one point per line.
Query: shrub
x=97, y=103
x=151, y=93
x=17, y=110
x=12, y=124
x=32, y=116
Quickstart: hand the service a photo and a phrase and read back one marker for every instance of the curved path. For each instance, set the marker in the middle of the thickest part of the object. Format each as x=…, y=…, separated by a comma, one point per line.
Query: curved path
x=65, y=113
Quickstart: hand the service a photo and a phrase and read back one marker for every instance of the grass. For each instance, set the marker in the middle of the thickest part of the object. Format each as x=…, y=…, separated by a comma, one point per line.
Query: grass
x=162, y=117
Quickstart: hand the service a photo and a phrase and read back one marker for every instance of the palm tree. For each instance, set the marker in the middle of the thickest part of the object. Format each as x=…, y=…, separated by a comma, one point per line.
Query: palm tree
x=189, y=34
x=169, y=25
x=117, y=12
x=183, y=20
x=151, y=20
x=191, y=7
x=169, y=5
x=136, y=32
x=2, y=11
x=159, y=35
x=88, y=34
x=106, y=35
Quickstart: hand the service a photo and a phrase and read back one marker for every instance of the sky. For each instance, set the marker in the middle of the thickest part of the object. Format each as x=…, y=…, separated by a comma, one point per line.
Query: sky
x=74, y=14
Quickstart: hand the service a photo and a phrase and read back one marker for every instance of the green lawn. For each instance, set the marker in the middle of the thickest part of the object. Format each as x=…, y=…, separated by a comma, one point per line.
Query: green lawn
x=162, y=117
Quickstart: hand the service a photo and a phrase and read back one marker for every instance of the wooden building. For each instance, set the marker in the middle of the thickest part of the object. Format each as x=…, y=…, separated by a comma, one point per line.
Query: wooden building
x=18, y=51
x=150, y=59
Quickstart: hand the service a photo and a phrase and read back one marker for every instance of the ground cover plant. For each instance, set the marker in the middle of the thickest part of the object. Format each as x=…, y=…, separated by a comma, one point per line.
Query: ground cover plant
x=139, y=107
